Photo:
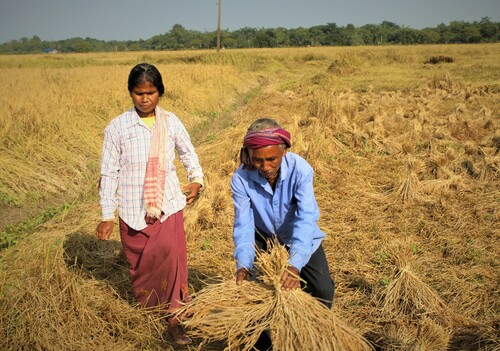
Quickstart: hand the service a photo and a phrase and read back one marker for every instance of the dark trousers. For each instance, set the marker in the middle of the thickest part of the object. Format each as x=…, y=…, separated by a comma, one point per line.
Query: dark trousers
x=318, y=283
x=315, y=273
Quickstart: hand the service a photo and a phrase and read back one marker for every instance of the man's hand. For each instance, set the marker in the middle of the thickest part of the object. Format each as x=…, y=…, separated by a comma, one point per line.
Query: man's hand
x=104, y=230
x=290, y=279
x=192, y=190
x=241, y=275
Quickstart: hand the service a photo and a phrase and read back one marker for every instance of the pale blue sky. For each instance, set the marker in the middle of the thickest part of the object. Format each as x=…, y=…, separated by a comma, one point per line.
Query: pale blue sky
x=135, y=19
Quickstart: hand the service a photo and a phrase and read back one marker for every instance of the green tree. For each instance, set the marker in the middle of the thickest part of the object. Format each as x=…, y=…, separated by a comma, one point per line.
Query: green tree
x=245, y=37
x=353, y=35
x=367, y=34
x=77, y=45
x=489, y=30
x=446, y=36
x=405, y=36
x=457, y=30
x=330, y=34
x=472, y=33
x=282, y=37
x=181, y=36
x=34, y=44
x=316, y=35
x=430, y=35
x=299, y=37
x=265, y=38
x=207, y=39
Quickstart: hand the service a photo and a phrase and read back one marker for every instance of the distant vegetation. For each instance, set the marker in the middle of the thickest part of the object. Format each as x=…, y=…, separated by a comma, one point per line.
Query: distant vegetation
x=180, y=38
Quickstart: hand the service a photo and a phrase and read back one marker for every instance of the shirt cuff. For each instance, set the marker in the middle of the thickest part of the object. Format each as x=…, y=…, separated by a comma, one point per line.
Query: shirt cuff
x=198, y=180
x=248, y=267
x=297, y=261
x=107, y=214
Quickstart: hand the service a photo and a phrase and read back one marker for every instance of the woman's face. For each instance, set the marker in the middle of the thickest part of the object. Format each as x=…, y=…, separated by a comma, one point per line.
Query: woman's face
x=145, y=97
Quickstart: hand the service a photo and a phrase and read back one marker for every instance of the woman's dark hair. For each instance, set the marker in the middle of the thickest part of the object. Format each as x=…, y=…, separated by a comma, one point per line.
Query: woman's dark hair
x=145, y=72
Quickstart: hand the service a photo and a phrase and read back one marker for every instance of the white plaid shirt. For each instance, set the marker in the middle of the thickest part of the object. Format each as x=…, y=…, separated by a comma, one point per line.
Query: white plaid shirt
x=123, y=167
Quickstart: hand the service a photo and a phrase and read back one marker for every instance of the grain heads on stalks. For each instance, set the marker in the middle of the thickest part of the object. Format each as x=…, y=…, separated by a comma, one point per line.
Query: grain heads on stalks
x=398, y=335
x=239, y=314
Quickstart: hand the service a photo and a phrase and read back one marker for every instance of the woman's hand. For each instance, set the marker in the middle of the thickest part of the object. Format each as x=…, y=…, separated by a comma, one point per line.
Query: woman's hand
x=192, y=191
x=290, y=279
x=104, y=230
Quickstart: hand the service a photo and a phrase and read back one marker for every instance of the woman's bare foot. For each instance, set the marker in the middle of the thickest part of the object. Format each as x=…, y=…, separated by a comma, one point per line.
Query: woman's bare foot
x=179, y=335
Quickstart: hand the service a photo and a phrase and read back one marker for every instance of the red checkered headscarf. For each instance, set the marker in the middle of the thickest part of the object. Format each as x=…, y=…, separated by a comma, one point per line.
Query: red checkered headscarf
x=261, y=138
x=266, y=137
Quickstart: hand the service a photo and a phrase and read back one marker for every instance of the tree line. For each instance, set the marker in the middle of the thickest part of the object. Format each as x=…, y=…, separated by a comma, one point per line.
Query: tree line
x=180, y=38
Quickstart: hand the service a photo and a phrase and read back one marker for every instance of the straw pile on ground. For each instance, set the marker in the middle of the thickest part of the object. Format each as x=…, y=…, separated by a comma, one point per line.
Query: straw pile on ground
x=407, y=296
x=239, y=314
x=46, y=305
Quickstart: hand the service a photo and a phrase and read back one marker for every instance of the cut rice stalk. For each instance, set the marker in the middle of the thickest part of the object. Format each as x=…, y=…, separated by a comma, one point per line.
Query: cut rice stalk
x=239, y=314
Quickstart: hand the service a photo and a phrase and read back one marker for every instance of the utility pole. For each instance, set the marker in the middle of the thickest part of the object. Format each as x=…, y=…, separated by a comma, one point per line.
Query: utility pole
x=218, y=27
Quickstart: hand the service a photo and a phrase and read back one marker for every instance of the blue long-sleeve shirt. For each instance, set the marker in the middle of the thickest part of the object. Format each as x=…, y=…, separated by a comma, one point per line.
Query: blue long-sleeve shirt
x=290, y=211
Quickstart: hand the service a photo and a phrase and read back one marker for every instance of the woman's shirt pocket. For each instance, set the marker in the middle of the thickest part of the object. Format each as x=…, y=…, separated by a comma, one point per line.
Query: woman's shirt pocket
x=134, y=149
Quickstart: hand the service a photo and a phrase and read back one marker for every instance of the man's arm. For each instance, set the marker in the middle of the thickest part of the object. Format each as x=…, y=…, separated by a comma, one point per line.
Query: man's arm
x=243, y=227
x=306, y=216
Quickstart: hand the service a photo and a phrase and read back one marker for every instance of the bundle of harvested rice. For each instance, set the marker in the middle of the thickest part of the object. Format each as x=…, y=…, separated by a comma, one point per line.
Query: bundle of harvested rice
x=431, y=336
x=408, y=189
x=409, y=296
x=239, y=314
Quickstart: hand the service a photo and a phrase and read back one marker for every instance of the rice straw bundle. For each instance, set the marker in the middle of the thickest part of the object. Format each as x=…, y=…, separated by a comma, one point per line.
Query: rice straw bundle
x=408, y=189
x=408, y=296
x=239, y=314
x=226, y=311
x=431, y=336
x=299, y=322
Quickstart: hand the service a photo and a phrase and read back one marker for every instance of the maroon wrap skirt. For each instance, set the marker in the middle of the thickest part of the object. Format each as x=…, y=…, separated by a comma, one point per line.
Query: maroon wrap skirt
x=158, y=262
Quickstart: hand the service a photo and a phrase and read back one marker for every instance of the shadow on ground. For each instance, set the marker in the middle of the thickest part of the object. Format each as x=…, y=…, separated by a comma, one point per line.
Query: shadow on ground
x=102, y=260
x=105, y=260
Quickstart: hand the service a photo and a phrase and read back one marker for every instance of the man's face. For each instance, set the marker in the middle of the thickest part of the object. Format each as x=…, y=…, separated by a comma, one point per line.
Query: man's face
x=267, y=160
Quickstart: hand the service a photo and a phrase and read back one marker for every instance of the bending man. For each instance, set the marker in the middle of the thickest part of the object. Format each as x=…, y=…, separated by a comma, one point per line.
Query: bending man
x=273, y=195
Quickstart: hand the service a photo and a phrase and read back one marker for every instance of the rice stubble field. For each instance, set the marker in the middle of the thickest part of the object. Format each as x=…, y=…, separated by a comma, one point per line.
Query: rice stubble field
x=405, y=145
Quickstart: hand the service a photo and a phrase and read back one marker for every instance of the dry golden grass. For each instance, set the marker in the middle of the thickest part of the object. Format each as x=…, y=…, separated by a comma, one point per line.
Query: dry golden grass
x=52, y=133
x=417, y=240
x=50, y=304
x=407, y=296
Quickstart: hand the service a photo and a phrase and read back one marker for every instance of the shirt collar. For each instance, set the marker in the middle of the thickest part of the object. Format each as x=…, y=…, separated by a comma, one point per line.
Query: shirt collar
x=284, y=168
x=135, y=119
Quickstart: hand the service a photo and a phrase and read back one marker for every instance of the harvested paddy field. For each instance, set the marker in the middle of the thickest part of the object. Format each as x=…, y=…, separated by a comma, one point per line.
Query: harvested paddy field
x=405, y=147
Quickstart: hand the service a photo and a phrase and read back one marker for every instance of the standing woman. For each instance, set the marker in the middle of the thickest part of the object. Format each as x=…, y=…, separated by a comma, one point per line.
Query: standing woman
x=138, y=178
